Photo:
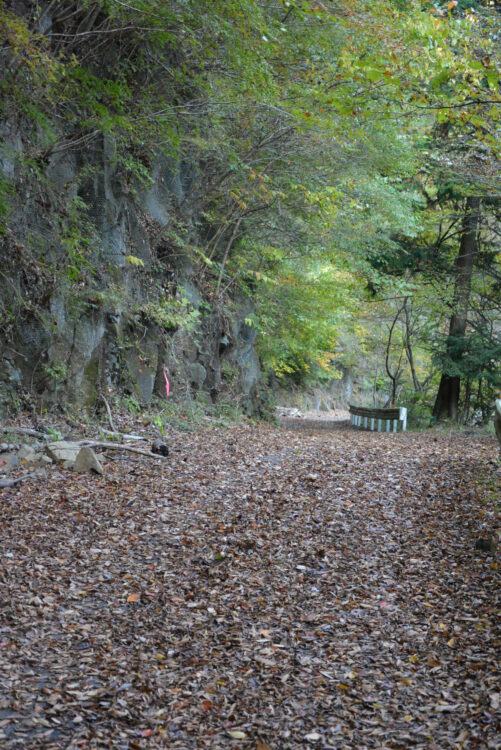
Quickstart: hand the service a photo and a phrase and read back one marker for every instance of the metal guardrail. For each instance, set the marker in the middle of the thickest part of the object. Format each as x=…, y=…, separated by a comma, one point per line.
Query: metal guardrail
x=380, y=420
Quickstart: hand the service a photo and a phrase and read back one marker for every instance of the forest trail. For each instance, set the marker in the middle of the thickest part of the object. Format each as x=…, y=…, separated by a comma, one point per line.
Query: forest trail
x=259, y=589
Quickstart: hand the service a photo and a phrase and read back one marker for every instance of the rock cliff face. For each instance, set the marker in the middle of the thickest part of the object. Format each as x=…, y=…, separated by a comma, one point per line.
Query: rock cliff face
x=97, y=296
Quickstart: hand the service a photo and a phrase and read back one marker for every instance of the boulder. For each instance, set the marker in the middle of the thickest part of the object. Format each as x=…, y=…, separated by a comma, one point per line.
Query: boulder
x=63, y=451
x=26, y=453
x=8, y=462
x=28, y=456
x=37, y=460
x=196, y=374
x=86, y=460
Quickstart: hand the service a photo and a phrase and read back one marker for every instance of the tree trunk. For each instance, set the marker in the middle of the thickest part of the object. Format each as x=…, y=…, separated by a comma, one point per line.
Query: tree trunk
x=447, y=400
x=465, y=416
x=393, y=376
x=408, y=347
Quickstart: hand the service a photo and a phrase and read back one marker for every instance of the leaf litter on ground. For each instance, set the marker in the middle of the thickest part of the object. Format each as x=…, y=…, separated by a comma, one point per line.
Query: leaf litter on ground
x=259, y=589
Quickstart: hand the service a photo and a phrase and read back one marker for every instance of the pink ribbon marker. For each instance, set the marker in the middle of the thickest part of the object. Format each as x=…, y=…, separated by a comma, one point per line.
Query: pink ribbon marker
x=167, y=384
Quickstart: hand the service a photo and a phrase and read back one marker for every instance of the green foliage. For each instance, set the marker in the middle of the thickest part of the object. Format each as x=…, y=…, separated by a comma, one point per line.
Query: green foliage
x=78, y=239
x=189, y=415
x=477, y=355
x=55, y=434
x=299, y=317
x=171, y=313
x=6, y=192
x=55, y=371
x=132, y=404
x=158, y=422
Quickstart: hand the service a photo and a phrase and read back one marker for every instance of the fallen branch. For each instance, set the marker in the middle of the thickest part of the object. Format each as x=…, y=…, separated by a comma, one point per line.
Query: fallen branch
x=26, y=431
x=110, y=416
x=123, y=436
x=117, y=447
x=11, y=482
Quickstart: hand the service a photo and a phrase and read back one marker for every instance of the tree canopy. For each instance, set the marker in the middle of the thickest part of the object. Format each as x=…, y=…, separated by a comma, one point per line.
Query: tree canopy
x=333, y=147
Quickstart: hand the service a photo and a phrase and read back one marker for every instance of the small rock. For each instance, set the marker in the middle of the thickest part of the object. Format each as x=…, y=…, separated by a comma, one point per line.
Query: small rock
x=160, y=448
x=87, y=461
x=486, y=544
x=7, y=447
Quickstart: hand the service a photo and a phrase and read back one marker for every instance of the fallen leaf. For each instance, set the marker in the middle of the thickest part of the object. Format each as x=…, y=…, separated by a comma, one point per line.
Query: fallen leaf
x=273, y=631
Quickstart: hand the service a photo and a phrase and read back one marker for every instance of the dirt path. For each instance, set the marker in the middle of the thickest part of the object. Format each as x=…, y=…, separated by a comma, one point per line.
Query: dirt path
x=262, y=589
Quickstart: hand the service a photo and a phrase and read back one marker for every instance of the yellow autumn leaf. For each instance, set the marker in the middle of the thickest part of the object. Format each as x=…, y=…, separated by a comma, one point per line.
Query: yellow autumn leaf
x=237, y=734
x=133, y=597
x=134, y=260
